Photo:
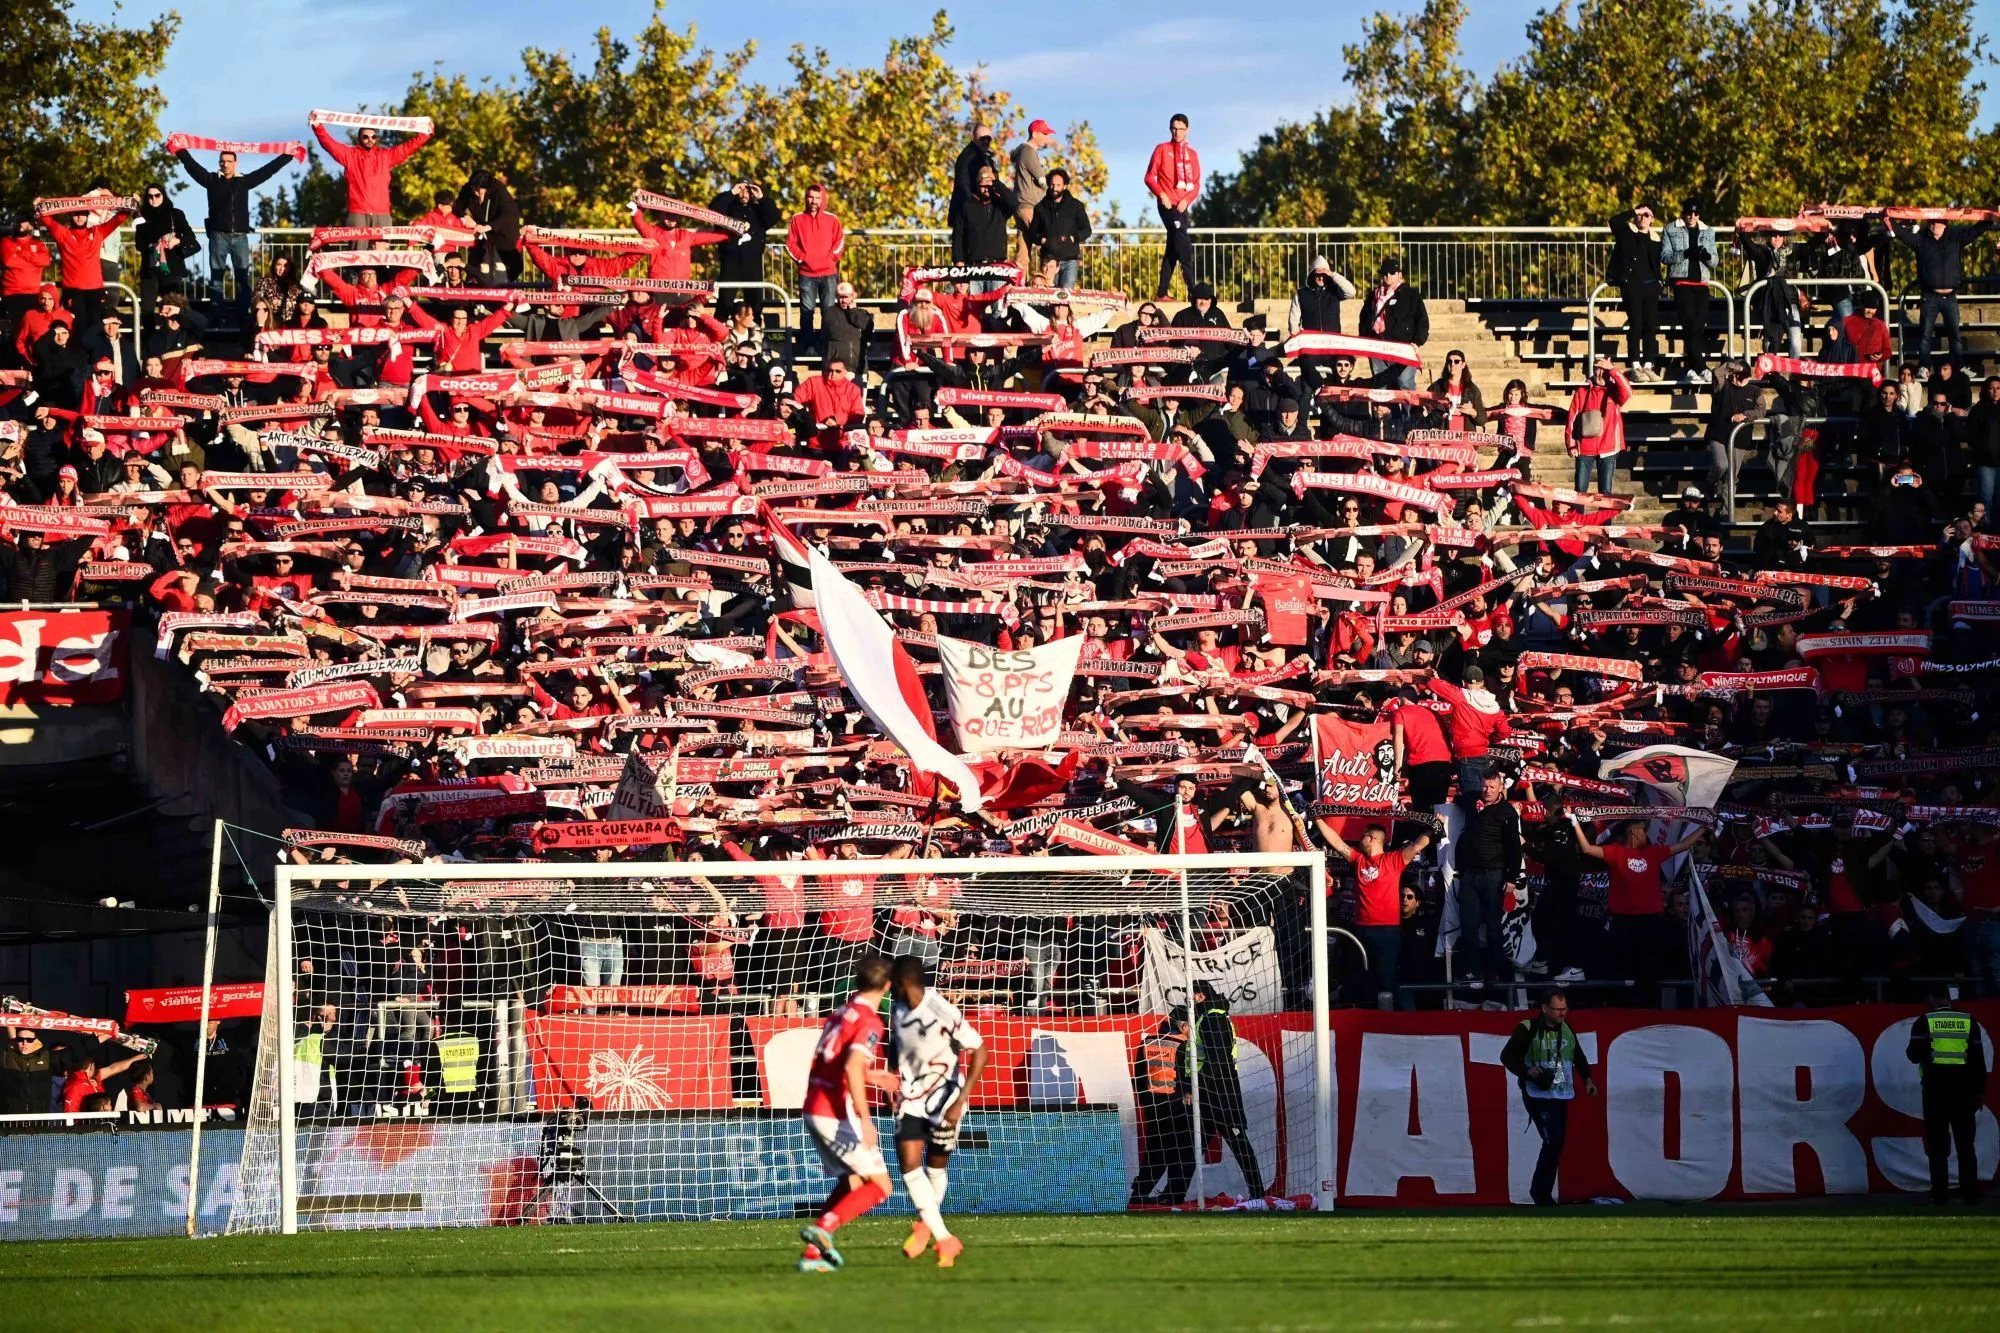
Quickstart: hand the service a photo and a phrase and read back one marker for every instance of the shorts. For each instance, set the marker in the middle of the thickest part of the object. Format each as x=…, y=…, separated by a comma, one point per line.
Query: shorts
x=840, y=1150
x=936, y=1138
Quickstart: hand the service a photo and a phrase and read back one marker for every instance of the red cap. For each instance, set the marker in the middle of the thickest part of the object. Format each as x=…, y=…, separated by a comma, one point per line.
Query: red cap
x=1040, y=127
x=66, y=471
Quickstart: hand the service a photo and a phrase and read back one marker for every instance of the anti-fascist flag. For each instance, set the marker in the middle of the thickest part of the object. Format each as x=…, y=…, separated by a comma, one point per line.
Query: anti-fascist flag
x=1355, y=763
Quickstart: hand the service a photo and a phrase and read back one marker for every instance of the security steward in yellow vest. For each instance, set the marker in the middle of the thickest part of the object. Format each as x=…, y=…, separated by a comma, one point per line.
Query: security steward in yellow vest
x=1163, y=1142
x=1946, y=1044
x=457, y=1055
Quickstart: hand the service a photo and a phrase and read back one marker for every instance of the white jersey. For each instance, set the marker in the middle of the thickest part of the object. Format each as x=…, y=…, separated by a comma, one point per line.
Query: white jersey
x=926, y=1040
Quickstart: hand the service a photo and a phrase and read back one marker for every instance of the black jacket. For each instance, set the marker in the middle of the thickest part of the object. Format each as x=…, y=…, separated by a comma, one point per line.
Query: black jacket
x=1555, y=846
x=743, y=256
x=1406, y=320
x=1319, y=305
x=1982, y=433
x=1635, y=255
x=1776, y=545
x=44, y=575
x=847, y=334
x=979, y=236
x=1061, y=225
x=1970, y=1076
x=1940, y=260
x=1490, y=840
x=498, y=211
x=965, y=175
x=1730, y=399
x=1215, y=1060
x=1514, y=1055
x=153, y=224
x=229, y=196
x=160, y=339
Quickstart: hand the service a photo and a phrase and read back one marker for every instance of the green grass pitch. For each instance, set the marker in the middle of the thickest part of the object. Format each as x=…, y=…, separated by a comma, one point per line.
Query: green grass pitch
x=1723, y=1268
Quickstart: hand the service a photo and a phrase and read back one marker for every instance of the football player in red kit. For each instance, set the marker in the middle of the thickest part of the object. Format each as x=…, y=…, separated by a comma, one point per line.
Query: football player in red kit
x=836, y=1113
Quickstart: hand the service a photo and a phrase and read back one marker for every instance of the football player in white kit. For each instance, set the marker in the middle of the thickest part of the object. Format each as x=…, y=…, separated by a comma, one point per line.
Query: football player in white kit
x=939, y=1057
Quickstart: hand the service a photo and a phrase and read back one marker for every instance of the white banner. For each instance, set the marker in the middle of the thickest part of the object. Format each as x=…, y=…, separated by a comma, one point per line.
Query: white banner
x=1007, y=699
x=1244, y=972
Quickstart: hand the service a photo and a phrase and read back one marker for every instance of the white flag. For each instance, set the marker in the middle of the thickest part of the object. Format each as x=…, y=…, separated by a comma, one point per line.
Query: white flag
x=1005, y=699
x=881, y=677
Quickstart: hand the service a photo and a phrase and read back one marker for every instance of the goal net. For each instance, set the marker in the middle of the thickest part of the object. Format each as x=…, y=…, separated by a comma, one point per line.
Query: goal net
x=508, y=1045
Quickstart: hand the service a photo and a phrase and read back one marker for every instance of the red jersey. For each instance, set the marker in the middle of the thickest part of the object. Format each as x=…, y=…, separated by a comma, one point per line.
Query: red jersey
x=1378, y=888
x=78, y=1085
x=1423, y=737
x=1635, y=879
x=1840, y=892
x=853, y=1025
x=854, y=920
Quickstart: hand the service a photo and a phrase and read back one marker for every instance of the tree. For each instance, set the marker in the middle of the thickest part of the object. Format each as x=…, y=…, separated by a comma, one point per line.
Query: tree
x=1405, y=149
x=1755, y=108
x=316, y=199
x=81, y=106
x=662, y=112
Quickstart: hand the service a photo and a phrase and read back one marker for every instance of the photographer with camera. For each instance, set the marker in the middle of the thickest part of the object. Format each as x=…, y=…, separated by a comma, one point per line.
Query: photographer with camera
x=1548, y=1060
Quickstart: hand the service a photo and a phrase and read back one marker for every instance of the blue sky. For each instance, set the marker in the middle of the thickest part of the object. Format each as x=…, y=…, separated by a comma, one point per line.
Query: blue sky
x=252, y=71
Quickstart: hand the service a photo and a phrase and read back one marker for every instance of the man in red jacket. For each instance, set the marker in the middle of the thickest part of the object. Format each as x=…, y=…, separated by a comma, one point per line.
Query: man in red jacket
x=368, y=165
x=1476, y=722
x=834, y=401
x=458, y=346
x=673, y=247
x=78, y=242
x=47, y=310
x=1174, y=178
x=815, y=241
x=23, y=260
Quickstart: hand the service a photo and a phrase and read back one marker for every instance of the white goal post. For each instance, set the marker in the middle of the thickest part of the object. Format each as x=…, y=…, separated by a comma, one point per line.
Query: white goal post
x=503, y=1044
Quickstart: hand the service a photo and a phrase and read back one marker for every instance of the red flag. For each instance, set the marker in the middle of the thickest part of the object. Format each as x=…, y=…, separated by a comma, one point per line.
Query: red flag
x=1355, y=763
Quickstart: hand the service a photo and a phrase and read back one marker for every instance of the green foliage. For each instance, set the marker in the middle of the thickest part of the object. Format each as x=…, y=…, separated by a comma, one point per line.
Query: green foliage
x=661, y=112
x=1756, y=108
x=1644, y=1265
x=317, y=199
x=81, y=105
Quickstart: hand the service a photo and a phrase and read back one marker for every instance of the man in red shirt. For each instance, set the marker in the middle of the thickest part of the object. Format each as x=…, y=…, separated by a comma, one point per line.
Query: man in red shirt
x=88, y=1080
x=79, y=244
x=23, y=260
x=1475, y=722
x=815, y=241
x=837, y=1117
x=1378, y=896
x=834, y=402
x=1637, y=903
x=1423, y=756
x=367, y=165
x=1173, y=176
x=673, y=247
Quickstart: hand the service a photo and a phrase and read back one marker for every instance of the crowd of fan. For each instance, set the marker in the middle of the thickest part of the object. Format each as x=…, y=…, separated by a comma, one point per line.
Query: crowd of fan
x=471, y=548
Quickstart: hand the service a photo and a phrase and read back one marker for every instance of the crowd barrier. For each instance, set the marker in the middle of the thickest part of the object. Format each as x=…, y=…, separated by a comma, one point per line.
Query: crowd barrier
x=105, y=1180
x=1711, y=1105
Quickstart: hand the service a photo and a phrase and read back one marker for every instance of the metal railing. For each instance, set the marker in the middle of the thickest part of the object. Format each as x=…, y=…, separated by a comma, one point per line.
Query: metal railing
x=1597, y=298
x=1264, y=263
x=783, y=295
x=1244, y=263
x=1729, y=481
x=1751, y=327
